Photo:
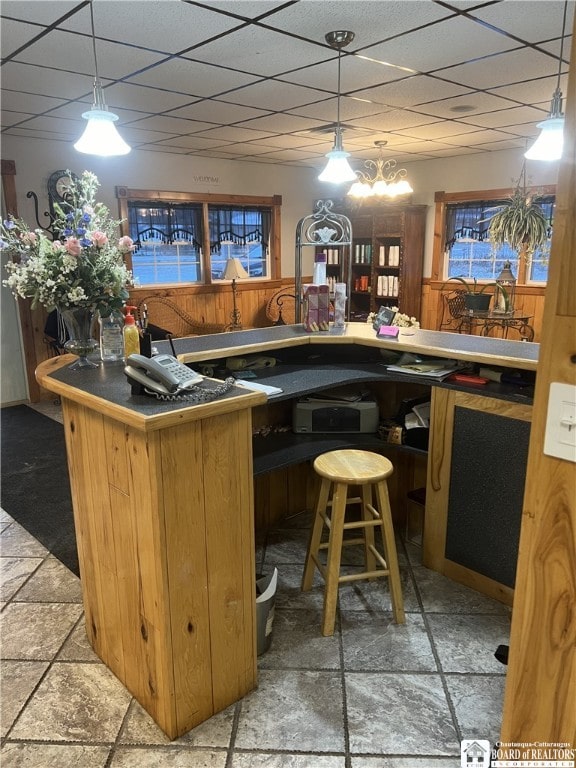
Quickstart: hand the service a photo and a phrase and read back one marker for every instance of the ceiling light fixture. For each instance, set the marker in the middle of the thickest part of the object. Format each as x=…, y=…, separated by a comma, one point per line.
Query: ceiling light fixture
x=100, y=136
x=386, y=182
x=338, y=170
x=549, y=145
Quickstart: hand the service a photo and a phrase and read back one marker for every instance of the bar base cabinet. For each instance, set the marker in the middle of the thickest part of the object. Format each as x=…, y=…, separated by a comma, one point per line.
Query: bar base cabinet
x=164, y=524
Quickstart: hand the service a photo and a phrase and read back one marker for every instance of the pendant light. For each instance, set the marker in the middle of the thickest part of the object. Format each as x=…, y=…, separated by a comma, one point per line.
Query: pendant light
x=338, y=170
x=100, y=136
x=548, y=146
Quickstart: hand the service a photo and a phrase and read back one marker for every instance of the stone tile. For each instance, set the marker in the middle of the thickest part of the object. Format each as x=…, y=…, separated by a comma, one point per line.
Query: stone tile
x=265, y=760
x=17, y=680
x=466, y=643
x=169, y=757
x=372, y=643
x=478, y=702
x=5, y=517
x=298, y=643
x=442, y=595
x=406, y=762
x=286, y=546
x=13, y=573
x=53, y=756
x=140, y=728
x=301, y=520
x=52, y=582
x=75, y=702
x=293, y=711
x=289, y=594
x=374, y=596
x=414, y=553
x=50, y=408
x=15, y=541
x=77, y=647
x=416, y=720
x=36, y=630
x=4, y=524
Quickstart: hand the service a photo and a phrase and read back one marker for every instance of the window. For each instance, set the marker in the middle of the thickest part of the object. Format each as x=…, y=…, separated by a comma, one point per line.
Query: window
x=186, y=239
x=464, y=221
x=470, y=253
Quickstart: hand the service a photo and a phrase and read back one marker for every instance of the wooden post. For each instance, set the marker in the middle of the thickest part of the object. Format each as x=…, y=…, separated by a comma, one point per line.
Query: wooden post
x=540, y=699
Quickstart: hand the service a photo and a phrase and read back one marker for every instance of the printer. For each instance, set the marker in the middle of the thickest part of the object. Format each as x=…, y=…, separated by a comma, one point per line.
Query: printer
x=334, y=412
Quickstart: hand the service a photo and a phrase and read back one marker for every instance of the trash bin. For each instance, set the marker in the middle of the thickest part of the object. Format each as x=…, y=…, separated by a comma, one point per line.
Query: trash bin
x=265, y=597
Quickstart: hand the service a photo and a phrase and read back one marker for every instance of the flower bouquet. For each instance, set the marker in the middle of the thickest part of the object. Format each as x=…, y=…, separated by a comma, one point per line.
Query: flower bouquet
x=84, y=267
x=399, y=319
x=80, y=272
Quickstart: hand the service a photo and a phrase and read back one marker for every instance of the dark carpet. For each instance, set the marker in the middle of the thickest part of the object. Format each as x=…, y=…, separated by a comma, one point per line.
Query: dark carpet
x=35, y=485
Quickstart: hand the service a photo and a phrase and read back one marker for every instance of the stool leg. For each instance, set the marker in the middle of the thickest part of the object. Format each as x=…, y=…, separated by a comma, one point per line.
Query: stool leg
x=316, y=534
x=369, y=559
x=334, y=556
x=390, y=552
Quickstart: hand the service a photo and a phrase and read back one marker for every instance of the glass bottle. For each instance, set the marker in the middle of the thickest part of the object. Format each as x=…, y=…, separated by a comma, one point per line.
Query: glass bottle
x=111, y=336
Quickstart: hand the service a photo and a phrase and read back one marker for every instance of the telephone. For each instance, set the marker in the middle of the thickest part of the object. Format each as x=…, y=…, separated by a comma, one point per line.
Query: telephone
x=162, y=374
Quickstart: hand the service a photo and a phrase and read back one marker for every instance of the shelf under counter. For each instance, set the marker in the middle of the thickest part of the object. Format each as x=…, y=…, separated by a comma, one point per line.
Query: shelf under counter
x=283, y=449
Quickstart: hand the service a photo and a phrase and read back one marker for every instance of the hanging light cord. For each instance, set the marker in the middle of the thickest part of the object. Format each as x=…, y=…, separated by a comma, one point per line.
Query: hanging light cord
x=562, y=44
x=338, y=99
x=556, y=104
x=99, y=102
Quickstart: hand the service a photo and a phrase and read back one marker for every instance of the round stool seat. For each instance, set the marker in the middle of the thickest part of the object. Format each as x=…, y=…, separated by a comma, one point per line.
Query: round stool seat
x=353, y=466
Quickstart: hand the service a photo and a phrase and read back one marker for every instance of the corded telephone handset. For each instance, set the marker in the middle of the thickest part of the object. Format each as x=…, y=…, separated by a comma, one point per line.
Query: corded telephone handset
x=162, y=374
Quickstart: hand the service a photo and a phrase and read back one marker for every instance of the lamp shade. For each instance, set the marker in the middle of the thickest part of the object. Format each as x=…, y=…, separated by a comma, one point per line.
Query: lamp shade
x=549, y=145
x=100, y=136
x=234, y=270
x=338, y=169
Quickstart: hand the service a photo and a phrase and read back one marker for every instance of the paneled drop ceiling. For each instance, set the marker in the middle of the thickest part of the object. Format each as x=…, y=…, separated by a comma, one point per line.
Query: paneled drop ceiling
x=255, y=80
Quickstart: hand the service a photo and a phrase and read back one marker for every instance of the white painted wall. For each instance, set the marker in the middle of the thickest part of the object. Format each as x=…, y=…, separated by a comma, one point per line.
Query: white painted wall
x=36, y=160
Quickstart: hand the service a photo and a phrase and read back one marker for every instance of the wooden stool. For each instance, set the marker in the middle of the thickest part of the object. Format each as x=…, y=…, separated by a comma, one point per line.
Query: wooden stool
x=342, y=469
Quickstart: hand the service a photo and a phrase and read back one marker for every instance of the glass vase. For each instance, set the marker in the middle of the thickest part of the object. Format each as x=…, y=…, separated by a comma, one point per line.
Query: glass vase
x=79, y=322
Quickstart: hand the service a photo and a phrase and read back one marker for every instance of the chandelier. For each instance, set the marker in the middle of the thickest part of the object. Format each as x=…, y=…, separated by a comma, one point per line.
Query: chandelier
x=387, y=181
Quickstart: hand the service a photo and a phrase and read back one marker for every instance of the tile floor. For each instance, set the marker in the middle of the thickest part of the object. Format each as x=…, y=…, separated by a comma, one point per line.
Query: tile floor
x=375, y=695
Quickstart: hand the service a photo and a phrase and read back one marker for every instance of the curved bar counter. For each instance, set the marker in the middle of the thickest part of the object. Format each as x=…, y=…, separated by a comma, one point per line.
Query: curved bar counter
x=163, y=497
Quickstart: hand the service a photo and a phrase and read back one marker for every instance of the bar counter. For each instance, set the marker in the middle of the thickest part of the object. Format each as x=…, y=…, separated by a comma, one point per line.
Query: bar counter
x=163, y=499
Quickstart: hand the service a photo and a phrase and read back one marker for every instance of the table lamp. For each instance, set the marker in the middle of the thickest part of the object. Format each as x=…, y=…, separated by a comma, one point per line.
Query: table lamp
x=235, y=271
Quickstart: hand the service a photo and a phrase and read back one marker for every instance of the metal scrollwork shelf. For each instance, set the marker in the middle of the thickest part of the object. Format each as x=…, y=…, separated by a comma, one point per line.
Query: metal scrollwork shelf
x=323, y=227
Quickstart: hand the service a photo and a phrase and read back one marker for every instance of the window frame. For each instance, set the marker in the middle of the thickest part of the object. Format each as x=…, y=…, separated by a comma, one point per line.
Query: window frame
x=442, y=199
x=125, y=195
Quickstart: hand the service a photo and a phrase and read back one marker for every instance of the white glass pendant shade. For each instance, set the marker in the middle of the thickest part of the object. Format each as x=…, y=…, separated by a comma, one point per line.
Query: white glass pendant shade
x=100, y=136
x=338, y=169
x=549, y=145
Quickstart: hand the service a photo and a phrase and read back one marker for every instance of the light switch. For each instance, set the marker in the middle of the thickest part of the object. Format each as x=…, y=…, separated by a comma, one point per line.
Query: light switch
x=560, y=437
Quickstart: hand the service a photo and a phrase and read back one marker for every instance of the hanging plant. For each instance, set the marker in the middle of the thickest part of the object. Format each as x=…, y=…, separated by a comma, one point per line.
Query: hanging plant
x=519, y=221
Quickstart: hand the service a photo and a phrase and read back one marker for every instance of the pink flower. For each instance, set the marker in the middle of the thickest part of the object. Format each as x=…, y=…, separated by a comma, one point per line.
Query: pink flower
x=125, y=244
x=29, y=238
x=56, y=245
x=99, y=238
x=73, y=246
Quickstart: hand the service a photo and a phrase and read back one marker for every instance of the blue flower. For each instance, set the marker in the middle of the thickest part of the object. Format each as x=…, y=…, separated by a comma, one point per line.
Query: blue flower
x=85, y=242
x=67, y=232
x=69, y=217
x=80, y=231
x=9, y=224
x=86, y=218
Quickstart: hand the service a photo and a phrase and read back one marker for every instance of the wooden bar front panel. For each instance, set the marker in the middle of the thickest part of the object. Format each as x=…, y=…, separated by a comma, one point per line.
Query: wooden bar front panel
x=163, y=521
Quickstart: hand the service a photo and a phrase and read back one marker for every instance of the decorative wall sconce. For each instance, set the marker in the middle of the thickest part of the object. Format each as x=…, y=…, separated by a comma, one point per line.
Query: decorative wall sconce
x=386, y=181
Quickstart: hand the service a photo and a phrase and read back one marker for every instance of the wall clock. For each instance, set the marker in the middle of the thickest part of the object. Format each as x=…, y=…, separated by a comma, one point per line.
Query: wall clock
x=58, y=186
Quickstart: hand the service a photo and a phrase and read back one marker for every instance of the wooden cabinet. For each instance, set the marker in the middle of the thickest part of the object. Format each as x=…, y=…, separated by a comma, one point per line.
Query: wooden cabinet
x=386, y=259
